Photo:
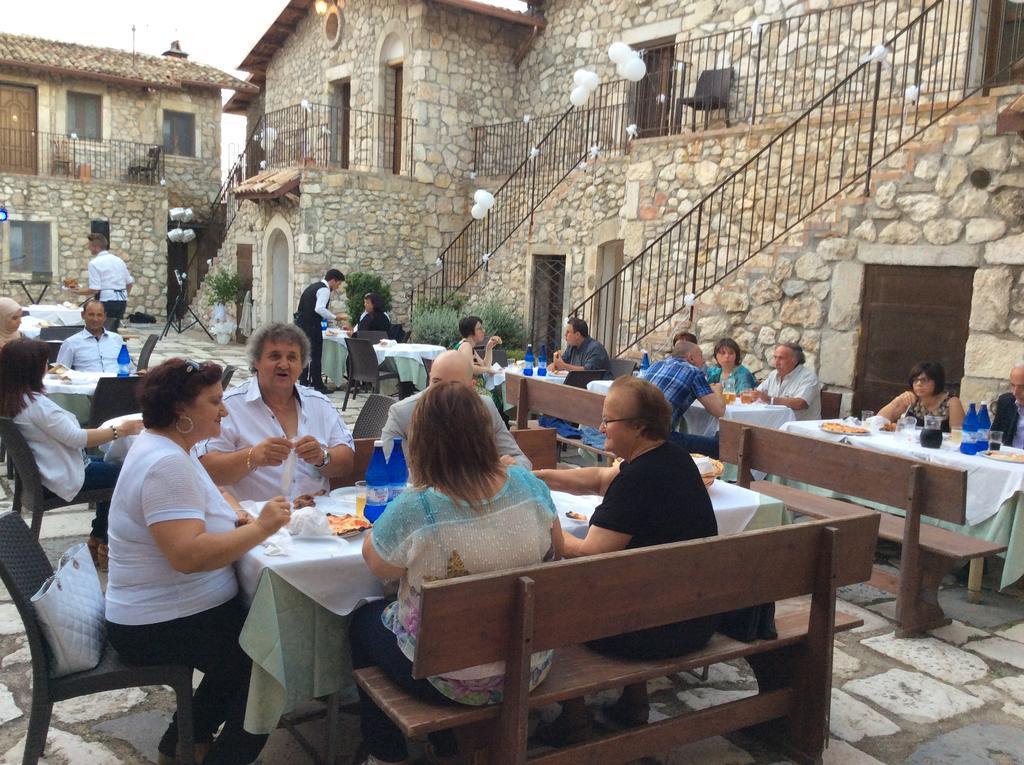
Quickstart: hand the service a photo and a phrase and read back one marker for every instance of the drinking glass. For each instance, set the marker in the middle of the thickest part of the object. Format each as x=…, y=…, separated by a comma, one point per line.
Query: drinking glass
x=995, y=440
x=865, y=415
x=908, y=427
x=955, y=434
x=360, y=499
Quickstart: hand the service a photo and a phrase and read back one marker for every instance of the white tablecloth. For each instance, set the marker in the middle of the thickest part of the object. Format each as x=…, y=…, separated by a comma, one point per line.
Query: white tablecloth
x=56, y=314
x=30, y=326
x=552, y=377
x=82, y=383
x=418, y=351
x=989, y=483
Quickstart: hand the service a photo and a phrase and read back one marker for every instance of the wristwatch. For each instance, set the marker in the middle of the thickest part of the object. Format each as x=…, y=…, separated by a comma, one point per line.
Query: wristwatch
x=326, y=460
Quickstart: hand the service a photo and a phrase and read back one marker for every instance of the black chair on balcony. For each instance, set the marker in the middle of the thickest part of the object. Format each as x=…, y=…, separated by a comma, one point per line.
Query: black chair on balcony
x=146, y=169
x=711, y=93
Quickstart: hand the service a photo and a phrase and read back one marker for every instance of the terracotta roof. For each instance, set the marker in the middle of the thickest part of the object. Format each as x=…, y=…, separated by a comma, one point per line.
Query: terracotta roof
x=112, y=65
x=270, y=184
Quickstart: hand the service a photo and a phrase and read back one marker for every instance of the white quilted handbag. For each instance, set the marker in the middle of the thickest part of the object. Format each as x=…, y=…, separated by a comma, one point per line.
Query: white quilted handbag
x=70, y=609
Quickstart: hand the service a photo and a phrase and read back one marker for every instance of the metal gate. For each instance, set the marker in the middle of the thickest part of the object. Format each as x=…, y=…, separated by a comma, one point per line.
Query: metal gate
x=548, y=298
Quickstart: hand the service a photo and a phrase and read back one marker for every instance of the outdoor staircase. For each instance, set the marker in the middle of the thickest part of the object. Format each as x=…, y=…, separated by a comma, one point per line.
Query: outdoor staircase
x=830, y=150
x=761, y=91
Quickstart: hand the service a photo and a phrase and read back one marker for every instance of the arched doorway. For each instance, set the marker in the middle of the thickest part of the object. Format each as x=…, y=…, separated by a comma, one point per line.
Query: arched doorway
x=280, y=297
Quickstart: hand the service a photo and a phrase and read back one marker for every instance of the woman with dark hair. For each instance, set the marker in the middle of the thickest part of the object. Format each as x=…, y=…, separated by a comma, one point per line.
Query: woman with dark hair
x=172, y=596
x=653, y=497
x=471, y=330
x=927, y=395
x=374, y=319
x=463, y=513
x=55, y=437
x=728, y=357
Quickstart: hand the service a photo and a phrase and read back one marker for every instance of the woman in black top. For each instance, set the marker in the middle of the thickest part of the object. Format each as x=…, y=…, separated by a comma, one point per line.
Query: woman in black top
x=654, y=496
x=374, y=319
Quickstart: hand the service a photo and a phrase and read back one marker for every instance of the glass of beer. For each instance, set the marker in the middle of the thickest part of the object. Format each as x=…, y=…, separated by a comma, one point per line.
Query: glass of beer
x=747, y=396
x=360, y=499
x=729, y=396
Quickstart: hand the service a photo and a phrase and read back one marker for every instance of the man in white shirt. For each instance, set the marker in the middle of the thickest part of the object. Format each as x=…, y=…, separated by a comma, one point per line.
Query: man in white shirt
x=109, y=279
x=792, y=384
x=94, y=349
x=313, y=308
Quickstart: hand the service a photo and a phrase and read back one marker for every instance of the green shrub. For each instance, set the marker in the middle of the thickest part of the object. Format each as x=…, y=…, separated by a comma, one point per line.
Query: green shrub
x=435, y=325
x=225, y=287
x=357, y=285
x=501, y=320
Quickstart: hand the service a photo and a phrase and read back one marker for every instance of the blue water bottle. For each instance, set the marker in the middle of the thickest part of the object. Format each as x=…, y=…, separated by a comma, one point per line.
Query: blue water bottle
x=124, y=361
x=542, y=362
x=645, y=363
x=969, y=438
x=984, y=426
x=323, y=324
x=376, y=483
x=398, y=471
x=528, y=358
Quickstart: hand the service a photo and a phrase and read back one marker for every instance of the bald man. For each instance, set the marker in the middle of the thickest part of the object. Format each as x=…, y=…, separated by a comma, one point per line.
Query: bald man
x=452, y=366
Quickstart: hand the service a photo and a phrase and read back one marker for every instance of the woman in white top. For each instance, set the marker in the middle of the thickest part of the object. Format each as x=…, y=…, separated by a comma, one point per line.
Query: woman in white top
x=172, y=592
x=56, y=438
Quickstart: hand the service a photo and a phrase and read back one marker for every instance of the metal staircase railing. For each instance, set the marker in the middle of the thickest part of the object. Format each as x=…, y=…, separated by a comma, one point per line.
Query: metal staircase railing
x=831, y=148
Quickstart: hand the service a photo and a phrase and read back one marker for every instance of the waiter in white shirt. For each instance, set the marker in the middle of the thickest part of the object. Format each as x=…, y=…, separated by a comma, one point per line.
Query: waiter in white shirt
x=109, y=279
x=312, y=309
x=94, y=349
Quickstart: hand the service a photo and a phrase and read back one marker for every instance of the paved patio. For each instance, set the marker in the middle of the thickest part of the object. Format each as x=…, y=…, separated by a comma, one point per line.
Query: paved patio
x=955, y=697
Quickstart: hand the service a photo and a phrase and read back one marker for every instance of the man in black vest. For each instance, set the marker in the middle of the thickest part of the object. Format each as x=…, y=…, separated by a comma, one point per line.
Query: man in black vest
x=312, y=309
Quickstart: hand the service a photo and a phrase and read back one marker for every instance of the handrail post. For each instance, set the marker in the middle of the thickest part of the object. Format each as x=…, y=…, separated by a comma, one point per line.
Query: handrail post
x=874, y=121
x=696, y=253
x=757, y=79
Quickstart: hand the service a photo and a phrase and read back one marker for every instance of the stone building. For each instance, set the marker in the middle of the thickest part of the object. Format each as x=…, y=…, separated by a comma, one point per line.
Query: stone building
x=860, y=193
x=107, y=136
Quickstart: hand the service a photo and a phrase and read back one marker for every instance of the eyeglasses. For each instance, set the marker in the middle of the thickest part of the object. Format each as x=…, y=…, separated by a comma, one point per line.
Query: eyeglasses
x=921, y=379
x=606, y=422
x=194, y=366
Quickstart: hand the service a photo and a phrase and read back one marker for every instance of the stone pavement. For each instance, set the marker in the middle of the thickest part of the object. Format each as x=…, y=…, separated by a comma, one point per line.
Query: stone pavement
x=955, y=697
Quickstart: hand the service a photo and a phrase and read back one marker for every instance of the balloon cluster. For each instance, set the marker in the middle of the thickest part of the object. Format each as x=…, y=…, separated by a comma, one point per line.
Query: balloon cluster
x=627, y=62
x=483, y=201
x=585, y=83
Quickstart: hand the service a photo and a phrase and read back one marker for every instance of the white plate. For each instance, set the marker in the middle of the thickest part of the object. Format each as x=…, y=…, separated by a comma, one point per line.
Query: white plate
x=315, y=538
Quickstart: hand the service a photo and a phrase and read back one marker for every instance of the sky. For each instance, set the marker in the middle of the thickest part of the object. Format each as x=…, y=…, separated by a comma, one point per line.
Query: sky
x=212, y=32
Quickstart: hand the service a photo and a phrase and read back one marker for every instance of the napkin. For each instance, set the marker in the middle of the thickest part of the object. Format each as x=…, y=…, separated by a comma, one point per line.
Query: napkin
x=278, y=543
x=309, y=522
x=286, y=474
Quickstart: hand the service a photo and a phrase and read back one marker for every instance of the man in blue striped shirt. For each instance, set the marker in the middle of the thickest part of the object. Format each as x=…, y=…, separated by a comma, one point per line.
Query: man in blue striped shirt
x=681, y=378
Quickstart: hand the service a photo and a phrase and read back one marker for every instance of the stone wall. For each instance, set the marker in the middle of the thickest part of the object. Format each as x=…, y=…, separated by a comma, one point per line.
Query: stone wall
x=137, y=215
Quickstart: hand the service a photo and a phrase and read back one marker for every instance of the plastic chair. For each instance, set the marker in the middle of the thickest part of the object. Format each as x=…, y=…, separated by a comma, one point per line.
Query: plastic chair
x=23, y=569
x=711, y=93
x=53, y=350
x=579, y=378
x=363, y=368
x=831, y=403
x=499, y=355
x=226, y=375
x=373, y=335
x=58, y=333
x=147, y=352
x=622, y=368
x=427, y=364
x=114, y=396
x=370, y=422
x=28, y=485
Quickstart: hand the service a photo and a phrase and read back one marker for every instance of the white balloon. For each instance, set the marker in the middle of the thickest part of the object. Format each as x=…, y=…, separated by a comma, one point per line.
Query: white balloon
x=591, y=80
x=478, y=211
x=579, y=77
x=634, y=69
x=579, y=96
x=618, y=52
x=484, y=198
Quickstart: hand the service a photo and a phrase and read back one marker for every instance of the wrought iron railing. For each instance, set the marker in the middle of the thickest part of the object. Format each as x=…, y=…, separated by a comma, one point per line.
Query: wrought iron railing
x=778, y=68
x=60, y=155
x=332, y=136
x=577, y=137
x=828, y=150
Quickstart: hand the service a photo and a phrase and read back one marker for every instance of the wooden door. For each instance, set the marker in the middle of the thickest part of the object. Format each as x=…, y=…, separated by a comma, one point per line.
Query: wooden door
x=655, y=91
x=396, y=157
x=910, y=314
x=18, y=129
x=341, y=127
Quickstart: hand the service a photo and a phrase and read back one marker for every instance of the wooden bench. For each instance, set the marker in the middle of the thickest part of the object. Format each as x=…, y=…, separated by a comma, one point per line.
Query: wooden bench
x=507, y=615
x=918, y=488
x=561, y=401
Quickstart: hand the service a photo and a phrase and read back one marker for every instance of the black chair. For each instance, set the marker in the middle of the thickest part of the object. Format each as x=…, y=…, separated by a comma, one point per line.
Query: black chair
x=499, y=355
x=427, y=364
x=53, y=350
x=371, y=419
x=58, y=333
x=28, y=485
x=711, y=93
x=397, y=334
x=146, y=169
x=622, y=368
x=112, y=325
x=226, y=375
x=579, y=378
x=114, y=396
x=23, y=569
x=373, y=335
x=146, y=352
x=363, y=368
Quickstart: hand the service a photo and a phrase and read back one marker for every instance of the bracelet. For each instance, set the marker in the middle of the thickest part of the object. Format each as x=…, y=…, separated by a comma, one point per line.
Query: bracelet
x=114, y=429
x=248, y=460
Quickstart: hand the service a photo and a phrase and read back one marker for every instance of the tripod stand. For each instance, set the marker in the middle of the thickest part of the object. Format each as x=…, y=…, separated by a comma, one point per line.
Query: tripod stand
x=174, y=316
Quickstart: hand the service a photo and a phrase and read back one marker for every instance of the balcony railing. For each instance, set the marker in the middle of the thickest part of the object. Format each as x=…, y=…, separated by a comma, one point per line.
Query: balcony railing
x=58, y=155
x=319, y=135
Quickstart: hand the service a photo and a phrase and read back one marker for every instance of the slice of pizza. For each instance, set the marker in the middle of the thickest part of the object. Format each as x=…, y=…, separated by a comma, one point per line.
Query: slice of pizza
x=347, y=525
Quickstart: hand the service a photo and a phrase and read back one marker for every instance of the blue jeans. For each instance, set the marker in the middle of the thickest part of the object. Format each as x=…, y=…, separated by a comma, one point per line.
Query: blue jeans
x=98, y=475
x=695, y=444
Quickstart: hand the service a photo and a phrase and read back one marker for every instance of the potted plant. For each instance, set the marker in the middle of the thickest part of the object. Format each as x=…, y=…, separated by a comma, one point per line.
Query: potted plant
x=225, y=289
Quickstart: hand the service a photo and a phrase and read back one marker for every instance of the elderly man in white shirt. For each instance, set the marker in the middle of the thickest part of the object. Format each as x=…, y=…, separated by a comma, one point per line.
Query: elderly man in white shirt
x=109, y=278
x=94, y=349
x=792, y=384
x=279, y=437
